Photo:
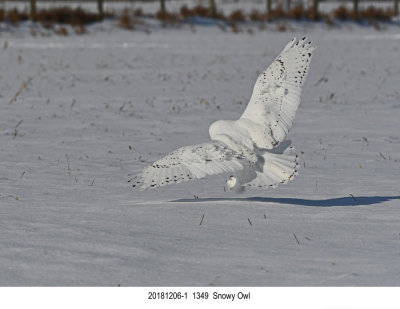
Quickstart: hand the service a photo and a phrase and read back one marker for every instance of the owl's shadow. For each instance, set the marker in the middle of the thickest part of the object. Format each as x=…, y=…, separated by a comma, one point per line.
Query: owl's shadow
x=339, y=201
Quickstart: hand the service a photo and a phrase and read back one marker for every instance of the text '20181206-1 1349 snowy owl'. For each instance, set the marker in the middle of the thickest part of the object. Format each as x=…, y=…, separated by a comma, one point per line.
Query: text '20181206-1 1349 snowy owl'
x=253, y=148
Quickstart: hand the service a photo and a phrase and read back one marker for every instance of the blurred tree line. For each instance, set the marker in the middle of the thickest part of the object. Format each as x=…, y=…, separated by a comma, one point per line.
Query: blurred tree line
x=212, y=6
x=285, y=5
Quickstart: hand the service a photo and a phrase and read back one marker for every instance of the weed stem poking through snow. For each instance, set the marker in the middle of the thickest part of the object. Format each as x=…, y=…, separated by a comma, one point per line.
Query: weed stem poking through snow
x=202, y=218
x=69, y=170
x=295, y=237
x=23, y=86
x=353, y=197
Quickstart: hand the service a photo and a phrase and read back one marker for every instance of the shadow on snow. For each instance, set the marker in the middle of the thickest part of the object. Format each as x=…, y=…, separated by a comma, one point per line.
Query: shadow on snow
x=339, y=201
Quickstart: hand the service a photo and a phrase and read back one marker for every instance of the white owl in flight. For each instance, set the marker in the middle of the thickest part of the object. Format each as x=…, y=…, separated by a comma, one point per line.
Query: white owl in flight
x=251, y=148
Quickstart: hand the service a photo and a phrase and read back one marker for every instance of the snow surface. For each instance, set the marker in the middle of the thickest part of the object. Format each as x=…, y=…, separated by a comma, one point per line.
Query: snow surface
x=102, y=106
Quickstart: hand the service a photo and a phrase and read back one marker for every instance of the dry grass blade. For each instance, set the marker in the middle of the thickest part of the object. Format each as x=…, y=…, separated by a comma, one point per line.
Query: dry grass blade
x=295, y=237
x=215, y=279
x=69, y=170
x=23, y=86
x=202, y=218
x=353, y=197
x=19, y=123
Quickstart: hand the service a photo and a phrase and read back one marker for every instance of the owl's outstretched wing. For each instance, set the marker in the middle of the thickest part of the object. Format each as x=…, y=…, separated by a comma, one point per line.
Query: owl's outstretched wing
x=190, y=162
x=276, y=95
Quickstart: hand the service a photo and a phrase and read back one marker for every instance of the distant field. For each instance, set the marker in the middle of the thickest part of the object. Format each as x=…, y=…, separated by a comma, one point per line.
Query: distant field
x=151, y=7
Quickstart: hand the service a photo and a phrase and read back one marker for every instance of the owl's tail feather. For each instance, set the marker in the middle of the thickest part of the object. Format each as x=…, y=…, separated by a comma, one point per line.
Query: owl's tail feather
x=276, y=168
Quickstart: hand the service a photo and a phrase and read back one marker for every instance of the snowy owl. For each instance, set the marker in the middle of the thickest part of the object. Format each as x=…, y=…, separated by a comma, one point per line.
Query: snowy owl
x=253, y=148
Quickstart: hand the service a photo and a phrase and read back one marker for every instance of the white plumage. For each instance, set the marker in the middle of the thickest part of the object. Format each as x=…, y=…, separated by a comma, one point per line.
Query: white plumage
x=251, y=148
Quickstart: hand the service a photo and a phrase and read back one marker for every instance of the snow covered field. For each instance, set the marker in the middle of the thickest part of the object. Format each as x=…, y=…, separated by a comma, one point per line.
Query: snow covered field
x=98, y=108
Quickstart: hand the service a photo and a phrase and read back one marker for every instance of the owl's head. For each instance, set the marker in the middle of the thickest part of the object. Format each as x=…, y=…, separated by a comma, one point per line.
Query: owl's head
x=218, y=127
x=221, y=130
x=234, y=184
